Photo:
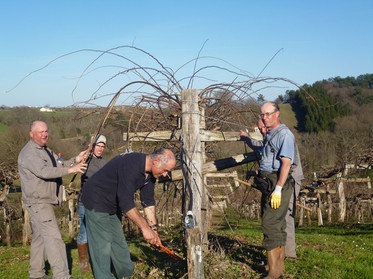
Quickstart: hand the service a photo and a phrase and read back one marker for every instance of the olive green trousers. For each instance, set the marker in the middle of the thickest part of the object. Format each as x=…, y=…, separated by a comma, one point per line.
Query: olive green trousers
x=274, y=220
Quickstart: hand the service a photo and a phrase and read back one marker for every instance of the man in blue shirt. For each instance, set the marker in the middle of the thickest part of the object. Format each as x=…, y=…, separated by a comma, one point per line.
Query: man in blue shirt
x=297, y=174
x=275, y=165
x=111, y=189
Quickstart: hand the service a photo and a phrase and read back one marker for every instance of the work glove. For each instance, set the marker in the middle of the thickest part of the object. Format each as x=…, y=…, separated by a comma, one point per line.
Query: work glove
x=275, y=198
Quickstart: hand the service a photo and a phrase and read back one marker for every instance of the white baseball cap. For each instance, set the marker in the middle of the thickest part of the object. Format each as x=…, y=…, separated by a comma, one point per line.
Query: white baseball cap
x=101, y=138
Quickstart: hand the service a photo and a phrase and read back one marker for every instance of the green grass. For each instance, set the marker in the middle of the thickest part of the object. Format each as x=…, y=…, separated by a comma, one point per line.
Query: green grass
x=336, y=251
x=3, y=127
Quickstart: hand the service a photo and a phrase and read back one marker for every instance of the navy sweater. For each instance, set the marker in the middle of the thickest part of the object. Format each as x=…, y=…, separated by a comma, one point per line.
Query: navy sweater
x=113, y=186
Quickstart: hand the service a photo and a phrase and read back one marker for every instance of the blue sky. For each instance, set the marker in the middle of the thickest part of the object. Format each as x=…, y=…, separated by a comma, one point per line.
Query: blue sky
x=317, y=40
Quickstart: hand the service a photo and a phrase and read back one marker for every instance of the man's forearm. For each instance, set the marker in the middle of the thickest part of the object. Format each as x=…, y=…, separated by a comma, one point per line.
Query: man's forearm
x=150, y=234
x=150, y=215
x=284, y=171
x=136, y=217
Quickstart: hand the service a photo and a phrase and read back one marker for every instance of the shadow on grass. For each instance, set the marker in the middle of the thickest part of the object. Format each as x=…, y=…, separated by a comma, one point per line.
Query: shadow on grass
x=248, y=254
x=151, y=258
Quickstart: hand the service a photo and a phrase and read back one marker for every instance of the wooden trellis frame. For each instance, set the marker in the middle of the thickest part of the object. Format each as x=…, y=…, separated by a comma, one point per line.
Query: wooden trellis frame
x=193, y=137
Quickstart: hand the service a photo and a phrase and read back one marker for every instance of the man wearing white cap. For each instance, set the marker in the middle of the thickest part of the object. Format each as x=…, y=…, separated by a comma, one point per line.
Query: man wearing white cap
x=95, y=162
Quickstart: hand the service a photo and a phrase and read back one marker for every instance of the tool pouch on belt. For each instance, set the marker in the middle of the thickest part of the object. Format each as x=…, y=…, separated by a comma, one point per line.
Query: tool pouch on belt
x=261, y=184
x=266, y=182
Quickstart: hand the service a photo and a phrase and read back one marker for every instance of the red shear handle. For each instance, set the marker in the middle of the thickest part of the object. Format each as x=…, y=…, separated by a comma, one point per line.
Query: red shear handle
x=159, y=246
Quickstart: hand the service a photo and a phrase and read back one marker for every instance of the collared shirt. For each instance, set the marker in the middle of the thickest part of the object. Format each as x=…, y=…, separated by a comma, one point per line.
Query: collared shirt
x=283, y=142
x=38, y=176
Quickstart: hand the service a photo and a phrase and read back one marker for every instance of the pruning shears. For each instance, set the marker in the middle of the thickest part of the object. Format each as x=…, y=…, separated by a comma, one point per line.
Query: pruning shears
x=159, y=246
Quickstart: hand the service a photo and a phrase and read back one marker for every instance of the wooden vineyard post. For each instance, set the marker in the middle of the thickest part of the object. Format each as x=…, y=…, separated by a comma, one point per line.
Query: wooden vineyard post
x=205, y=203
x=193, y=180
x=7, y=219
x=319, y=210
x=342, y=198
x=194, y=253
x=301, y=212
x=309, y=220
x=330, y=204
x=26, y=231
x=71, y=219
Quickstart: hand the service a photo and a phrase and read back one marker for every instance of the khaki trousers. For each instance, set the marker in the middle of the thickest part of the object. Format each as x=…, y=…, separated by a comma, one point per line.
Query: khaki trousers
x=46, y=243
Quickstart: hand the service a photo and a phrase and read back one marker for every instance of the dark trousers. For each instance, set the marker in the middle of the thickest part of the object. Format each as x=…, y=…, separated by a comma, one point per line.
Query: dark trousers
x=274, y=220
x=107, y=244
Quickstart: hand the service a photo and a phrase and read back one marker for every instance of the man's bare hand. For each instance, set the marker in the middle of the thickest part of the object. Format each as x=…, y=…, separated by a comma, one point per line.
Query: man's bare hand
x=82, y=156
x=243, y=135
x=151, y=236
x=81, y=167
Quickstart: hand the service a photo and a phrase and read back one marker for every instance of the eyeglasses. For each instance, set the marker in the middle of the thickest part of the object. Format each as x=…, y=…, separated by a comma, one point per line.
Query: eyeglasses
x=268, y=114
x=100, y=146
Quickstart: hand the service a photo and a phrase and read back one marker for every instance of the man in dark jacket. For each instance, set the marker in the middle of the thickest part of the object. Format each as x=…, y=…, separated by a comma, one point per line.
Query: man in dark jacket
x=111, y=189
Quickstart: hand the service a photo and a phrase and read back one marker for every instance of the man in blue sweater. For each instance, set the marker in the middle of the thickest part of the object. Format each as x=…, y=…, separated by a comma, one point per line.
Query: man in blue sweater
x=112, y=189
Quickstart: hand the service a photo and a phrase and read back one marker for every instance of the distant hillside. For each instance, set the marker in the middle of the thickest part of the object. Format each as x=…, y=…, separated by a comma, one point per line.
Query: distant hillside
x=319, y=106
x=334, y=123
x=287, y=116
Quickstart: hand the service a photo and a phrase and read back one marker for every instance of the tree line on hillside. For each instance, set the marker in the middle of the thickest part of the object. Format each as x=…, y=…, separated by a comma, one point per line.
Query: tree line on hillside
x=335, y=123
x=317, y=109
x=363, y=81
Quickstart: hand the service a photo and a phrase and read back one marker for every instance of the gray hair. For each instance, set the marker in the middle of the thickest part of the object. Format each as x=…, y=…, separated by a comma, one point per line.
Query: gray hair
x=35, y=123
x=164, y=155
x=275, y=105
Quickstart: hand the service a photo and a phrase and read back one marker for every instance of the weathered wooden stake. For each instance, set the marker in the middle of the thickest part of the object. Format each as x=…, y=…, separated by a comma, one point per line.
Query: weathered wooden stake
x=342, y=199
x=194, y=253
x=71, y=219
x=319, y=210
x=301, y=211
x=193, y=160
x=330, y=204
x=26, y=230
x=7, y=219
x=205, y=203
